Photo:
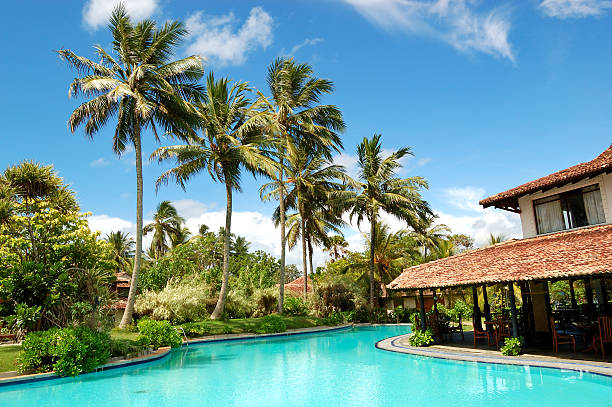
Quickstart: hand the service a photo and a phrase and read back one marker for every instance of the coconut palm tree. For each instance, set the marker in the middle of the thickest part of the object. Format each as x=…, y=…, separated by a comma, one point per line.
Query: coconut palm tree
x=495, y=239
x=428, y=235
x=444, y=248
x=311, y=182
x=336, y=246
x=240, y=246
x=232, y=142
x=140, y=84
x=295, y=112
x=122, y=246
x=166, y=226
x=378, y=189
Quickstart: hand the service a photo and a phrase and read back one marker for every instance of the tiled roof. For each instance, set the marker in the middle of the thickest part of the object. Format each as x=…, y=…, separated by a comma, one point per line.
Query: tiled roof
x=509, y=198
x=297, y=285
x=575, y=253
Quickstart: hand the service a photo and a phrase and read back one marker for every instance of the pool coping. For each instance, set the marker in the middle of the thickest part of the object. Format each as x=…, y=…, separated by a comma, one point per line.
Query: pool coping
x=161, y=353
x=393, y=344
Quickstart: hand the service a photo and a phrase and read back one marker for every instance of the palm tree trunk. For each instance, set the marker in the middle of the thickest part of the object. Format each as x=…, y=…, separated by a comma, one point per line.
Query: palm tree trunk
x=129, y=307
x=304, y=258
x=372, y=238
x=310, y=250
x=226, y=248
x=281, y=204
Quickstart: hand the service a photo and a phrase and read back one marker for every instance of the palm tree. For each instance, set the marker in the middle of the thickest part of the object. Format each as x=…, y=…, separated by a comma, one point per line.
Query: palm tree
x=181, y=236
x=166, y=226
x=143, y=87
x=294, y=113
x=379, y=189
x=336, y=246
x=444, y=248
x=240, y=246
x=232, y=141
x=495, y=239
x=311, y=182
x=428, y=235
x=122, y=246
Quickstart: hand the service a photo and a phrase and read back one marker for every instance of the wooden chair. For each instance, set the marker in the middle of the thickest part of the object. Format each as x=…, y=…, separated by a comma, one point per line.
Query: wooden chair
x=457, y=328
x=502, y=330
x=561, y=339
x=604, y=336
x=480, y=333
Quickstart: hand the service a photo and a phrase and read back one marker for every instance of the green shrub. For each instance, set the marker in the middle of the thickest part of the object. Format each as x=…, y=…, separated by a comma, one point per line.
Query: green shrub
x=178, y=302
x=401, y=314
x=512, y=346
x=238, y=305
x=359, y=315
x=194, y=330
x=420, y=338
x=68, y=351
x=295, y=306
x=336, y=318
x=332, y=297
x=271, y=324
x=158, y=334
x=266, y=301
x=125, y=347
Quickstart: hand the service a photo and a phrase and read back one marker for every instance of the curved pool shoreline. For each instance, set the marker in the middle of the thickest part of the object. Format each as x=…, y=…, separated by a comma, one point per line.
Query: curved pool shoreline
x=393, y=344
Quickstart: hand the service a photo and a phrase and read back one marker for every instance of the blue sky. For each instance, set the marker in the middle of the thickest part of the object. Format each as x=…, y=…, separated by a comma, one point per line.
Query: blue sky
x=488, y=94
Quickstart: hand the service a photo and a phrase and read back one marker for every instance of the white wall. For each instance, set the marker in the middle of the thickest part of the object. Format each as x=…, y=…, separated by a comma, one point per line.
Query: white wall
x=528, y=221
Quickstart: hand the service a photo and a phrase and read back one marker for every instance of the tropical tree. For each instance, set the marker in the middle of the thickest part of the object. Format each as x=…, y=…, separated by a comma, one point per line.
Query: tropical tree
x=138, y=83
x=181, y=236
x=294, y=112
x=232, y=142
x=495, y=239
x=429, y=234
x=122, y=246
x=166, y=225
x=240, y=246
x=336, y=246
x=444, y=248
x=379, y=189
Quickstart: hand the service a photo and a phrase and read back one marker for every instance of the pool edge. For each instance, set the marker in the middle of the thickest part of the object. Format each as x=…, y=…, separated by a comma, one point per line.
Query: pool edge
x=390, y=345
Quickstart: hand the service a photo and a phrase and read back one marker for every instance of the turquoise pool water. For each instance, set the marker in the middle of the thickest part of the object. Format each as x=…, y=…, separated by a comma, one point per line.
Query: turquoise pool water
x=341, y=368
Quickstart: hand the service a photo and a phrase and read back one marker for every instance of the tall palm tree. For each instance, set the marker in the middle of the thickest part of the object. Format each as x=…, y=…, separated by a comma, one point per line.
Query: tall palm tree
x=336, y=246
x=311, y=182
x=428, y=235
x=166, y=225
x=379, y=189
x=240, y=246
x=232, y=142
x=140, y=84
x=181, y=236
x=295, y=112
x=122, y=246
x=444, y=248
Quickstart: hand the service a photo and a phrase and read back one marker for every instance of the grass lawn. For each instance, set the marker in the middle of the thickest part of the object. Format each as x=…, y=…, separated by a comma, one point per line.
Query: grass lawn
x=8, y=357
x=244, y=325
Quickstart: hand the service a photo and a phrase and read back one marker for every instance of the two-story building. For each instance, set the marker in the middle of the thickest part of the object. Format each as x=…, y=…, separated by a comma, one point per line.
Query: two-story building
x=566, y=219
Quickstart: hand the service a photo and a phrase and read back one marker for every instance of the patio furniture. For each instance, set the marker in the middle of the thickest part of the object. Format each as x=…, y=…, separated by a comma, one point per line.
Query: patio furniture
x=604, y=336
x=502, y=331
x=451, y=329
x=561, y=338
x=480, y=333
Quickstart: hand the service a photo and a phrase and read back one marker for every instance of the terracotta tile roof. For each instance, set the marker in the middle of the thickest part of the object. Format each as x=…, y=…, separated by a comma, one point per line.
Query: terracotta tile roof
x=297, y=285
x=509, y=199
x=574, y=253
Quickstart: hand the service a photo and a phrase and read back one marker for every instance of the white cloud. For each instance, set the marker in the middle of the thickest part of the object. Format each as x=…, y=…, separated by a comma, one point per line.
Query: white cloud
x=423, y=161
x=349, y=162
x=215, y=37
x=100, y=162
x=97, y=12
x=465, y=198
x=574, y=8
x=458, y=22
x=482, y=225
x=307, y=42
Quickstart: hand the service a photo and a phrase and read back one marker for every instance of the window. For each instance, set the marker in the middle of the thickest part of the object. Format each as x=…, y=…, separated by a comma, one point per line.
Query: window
x=569, y=210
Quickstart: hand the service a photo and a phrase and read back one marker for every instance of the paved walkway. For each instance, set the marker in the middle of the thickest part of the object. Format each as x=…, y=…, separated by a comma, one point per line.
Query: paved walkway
x=468, y=353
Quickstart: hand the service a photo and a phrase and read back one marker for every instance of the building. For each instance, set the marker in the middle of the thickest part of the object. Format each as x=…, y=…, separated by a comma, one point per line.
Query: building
x=566, y=219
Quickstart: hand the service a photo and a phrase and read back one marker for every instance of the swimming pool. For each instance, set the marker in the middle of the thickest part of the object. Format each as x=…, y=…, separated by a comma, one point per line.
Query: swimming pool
x=340, y=368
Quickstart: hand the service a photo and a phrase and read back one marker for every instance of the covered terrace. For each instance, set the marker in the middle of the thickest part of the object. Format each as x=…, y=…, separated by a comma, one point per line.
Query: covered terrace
x=583, y=257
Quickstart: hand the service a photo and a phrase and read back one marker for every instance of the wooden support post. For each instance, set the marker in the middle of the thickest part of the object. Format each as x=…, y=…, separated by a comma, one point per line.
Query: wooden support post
x=588, y=293
x=487, y=308
x=423, y=318
x=604, y=295
x=573, y=294
x=511, y=299
x=527, y=308
x=477, y=315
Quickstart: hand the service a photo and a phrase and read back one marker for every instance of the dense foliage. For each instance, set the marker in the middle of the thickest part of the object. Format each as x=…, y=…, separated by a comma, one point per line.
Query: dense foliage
x=158, y=333
x=512, y=346
x=421, y=338
x=67, y=351
x=272, y=324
